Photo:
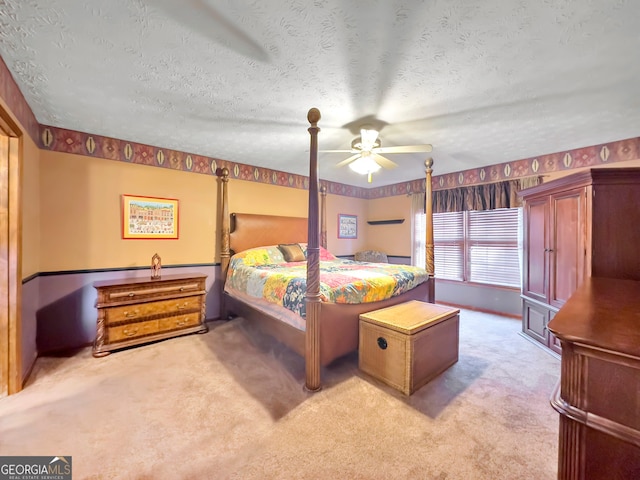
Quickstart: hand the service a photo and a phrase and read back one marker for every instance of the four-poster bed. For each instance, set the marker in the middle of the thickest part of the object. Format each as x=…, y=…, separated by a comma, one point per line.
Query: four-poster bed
x=327, y=329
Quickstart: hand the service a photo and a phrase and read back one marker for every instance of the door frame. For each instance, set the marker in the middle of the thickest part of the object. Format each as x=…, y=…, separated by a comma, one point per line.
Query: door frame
x=10, y=255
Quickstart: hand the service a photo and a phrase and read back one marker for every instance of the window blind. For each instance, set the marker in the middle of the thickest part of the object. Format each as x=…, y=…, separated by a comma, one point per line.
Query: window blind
x=448, y=241
x=492, y=247
x=477, y=246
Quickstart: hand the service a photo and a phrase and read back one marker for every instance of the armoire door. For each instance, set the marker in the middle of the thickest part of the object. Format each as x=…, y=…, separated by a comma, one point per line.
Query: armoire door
x=567, y=247
x=536, y=232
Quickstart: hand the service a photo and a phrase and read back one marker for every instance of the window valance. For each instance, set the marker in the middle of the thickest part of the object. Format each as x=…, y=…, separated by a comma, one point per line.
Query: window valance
x=487, y=196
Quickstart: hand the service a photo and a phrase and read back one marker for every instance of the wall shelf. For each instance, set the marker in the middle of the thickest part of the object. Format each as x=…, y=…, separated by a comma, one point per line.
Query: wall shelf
x=385, y=222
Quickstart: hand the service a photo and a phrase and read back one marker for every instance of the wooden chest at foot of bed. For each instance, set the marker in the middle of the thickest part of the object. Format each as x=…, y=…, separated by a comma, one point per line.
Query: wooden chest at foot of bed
x=140, y=310
x=408, y=344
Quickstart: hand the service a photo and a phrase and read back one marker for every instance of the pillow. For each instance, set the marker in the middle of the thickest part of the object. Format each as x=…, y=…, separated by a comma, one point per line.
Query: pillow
x=259, y=256
x=292, y=252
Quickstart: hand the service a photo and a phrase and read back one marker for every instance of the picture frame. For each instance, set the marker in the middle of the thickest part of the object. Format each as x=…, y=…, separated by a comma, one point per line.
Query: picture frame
x=149, y=217
x=347, y=226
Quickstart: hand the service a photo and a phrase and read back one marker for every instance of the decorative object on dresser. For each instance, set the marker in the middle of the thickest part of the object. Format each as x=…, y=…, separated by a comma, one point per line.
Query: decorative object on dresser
x=156, y=266
x=575, y=227
x=408, y=344
x=140, y=310
x=598, y=397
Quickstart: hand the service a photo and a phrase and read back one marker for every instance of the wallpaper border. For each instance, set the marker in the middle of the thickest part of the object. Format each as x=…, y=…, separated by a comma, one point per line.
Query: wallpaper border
x=74, y=142
x=17, y=104
x=69, y=141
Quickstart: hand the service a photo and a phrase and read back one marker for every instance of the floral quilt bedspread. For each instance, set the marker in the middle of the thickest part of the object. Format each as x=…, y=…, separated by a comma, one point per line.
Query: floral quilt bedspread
x=263, y=273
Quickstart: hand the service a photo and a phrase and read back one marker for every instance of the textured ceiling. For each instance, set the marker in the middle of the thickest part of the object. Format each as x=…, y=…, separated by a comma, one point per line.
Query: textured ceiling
x=484, y=82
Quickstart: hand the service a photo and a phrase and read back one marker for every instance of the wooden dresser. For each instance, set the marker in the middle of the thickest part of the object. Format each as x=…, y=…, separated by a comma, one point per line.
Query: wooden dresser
x=141, y=310
x=599, y=392
x=581, y=225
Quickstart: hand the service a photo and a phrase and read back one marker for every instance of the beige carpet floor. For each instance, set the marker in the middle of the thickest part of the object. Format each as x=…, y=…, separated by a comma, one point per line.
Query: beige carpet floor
x=229, y=404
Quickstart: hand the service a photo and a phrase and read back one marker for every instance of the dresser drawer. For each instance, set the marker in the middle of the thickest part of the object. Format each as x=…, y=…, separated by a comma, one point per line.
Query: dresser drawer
x=132, y=330
x=128, y=313
x=179, y=321
x=149, y=291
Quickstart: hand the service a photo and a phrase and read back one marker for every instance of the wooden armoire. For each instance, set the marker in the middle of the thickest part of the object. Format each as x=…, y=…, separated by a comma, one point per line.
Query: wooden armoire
x=582, y=225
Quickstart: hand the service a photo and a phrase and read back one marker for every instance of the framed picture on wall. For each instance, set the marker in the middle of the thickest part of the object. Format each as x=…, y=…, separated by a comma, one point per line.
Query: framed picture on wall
x=347, y=226
x=149, y=217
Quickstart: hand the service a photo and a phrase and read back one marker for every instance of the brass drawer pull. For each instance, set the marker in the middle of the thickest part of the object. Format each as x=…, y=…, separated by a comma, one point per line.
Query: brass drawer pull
x=182, y=289
x=130, y=333
x=132, y=294
x=180, y=323
x=131, y=314
x=183, y=306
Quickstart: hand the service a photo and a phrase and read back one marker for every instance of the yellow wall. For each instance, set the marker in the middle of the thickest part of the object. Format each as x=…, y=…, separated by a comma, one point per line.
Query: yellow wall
x=81, y=213
x=76, y=224
x=337, y=204
x=250, y=197
x=393, y=239
x=261, y=198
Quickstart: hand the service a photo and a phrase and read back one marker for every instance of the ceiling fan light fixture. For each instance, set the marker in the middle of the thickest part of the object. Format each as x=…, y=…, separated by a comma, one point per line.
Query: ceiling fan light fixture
x=368, y=138
x=364, y=165
x=357, y=145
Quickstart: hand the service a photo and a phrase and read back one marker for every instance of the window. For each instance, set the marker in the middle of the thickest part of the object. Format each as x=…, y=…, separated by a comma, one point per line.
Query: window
x=448, y=245
x=477, y=246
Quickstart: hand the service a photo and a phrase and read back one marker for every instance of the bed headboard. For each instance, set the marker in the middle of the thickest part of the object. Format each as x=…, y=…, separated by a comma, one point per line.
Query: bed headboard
x=248, y=230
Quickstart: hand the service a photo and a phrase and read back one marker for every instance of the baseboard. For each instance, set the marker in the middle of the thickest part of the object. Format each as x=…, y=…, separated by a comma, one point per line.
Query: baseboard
x=25, y=379
x=481, y=310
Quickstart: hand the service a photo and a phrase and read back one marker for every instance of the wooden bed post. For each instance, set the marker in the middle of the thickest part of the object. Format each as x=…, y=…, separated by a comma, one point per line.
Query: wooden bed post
x=312, y=331
x=225, y=249
x=323, y=216
x=430, y=266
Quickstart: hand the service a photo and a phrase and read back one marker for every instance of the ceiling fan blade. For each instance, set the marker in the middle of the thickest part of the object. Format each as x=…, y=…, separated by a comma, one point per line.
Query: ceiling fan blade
x=404, y=149
x=348, y=160
x=201, y=16
x=384, y=162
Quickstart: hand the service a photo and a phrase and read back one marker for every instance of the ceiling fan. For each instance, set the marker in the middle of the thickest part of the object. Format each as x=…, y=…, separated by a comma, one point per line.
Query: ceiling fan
x=366, y=149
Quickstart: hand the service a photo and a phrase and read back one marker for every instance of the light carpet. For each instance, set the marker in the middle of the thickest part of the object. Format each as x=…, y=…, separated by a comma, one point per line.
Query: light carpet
x=229, y=404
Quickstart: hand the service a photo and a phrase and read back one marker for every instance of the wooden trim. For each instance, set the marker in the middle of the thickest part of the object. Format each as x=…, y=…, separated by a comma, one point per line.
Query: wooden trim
x=581, y=179
x=10, y=256
x=5, y=297
x=54, y=273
